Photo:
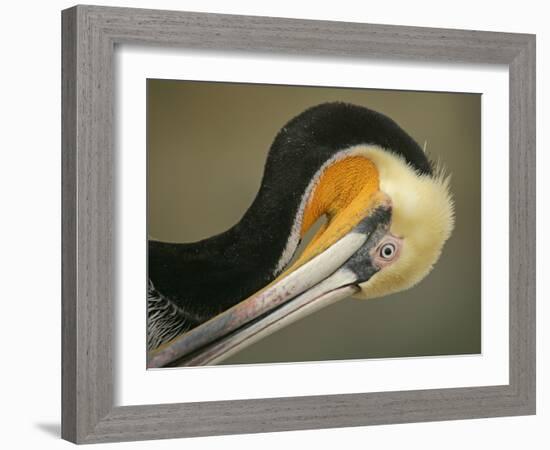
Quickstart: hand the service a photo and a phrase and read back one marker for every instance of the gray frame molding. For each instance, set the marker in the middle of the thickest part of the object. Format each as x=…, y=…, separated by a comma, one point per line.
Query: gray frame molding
x=89, y=37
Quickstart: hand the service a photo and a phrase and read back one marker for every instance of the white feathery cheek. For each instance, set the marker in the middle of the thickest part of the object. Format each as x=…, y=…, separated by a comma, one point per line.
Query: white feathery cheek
x=422, y=215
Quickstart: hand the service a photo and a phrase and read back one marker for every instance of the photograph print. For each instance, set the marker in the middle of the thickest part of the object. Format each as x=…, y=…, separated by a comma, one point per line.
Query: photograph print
x=290, y=224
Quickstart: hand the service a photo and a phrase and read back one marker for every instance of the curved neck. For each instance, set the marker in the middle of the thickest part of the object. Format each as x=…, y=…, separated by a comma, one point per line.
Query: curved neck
x=330, y=191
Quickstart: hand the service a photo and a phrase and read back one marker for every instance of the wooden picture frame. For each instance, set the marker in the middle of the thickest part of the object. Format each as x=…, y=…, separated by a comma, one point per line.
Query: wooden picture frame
x=90, y=34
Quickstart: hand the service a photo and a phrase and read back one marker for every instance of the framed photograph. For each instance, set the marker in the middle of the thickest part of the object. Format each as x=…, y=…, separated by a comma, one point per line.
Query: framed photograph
x=268, y=222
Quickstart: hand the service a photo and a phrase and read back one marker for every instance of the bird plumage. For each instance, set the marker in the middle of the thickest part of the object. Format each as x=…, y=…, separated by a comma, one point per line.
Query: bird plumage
x=191, y=282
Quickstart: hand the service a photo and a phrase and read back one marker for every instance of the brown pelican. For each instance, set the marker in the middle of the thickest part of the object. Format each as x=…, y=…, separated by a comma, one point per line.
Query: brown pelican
x=388, y=213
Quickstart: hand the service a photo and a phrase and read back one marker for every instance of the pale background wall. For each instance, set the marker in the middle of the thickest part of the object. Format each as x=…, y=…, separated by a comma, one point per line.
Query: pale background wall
x=30, y=225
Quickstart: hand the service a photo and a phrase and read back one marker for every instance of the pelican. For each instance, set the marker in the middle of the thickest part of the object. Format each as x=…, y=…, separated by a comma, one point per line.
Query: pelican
x=388, y=213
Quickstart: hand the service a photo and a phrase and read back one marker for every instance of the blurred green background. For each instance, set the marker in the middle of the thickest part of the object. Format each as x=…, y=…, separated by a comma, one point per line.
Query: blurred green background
x=207, y=143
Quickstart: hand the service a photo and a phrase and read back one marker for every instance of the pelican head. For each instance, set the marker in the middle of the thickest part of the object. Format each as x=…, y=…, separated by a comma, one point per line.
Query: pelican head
x=388, y=215
x=422, y=221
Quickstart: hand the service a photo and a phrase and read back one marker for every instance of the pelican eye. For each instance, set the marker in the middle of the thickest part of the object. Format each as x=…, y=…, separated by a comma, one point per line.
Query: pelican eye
x=387, y=251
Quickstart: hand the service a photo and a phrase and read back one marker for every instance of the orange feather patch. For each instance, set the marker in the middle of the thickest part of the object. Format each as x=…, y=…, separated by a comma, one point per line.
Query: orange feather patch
x=344, y=194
